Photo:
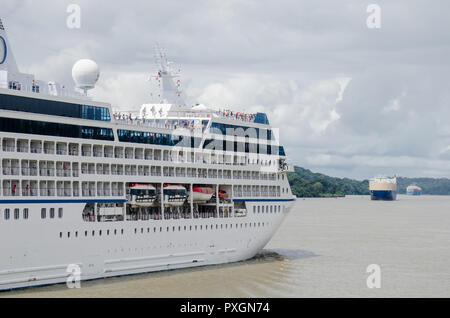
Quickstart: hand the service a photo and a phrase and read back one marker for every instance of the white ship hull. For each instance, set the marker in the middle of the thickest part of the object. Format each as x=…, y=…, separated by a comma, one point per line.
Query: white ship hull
x=39, y=252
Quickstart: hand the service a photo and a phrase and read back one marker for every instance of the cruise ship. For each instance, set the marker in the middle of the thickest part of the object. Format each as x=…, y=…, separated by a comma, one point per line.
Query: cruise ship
x=112, y=193
x=383, y=188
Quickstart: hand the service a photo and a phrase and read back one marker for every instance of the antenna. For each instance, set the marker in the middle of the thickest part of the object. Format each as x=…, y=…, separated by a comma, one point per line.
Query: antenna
x=85, y=74
x=171, y=92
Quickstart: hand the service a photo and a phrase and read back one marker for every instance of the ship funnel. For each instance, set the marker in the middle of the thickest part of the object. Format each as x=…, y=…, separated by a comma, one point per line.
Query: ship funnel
x=7, y=60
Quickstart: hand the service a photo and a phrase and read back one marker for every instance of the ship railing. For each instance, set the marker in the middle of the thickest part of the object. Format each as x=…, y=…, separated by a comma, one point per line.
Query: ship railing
x=29, y=192
x=63, y=172
x=22, y=149
x=35, y=150
x=47, y=172
x=9, y=148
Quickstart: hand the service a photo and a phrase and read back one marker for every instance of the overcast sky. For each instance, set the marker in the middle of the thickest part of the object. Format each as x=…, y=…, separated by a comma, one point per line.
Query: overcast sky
x=350, y=101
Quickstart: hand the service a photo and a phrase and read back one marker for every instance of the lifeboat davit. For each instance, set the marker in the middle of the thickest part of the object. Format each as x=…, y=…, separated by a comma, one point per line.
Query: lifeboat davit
x=201, y=194
x=174, y=195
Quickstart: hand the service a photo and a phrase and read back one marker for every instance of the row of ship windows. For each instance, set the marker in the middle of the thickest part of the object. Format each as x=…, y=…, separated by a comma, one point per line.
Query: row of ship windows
x=173, y=229
x=24, y=126
x=89, y=150
x=34, y=188
x=25, y=213
x=273, y=208
x=54, y=108
x=72, y=169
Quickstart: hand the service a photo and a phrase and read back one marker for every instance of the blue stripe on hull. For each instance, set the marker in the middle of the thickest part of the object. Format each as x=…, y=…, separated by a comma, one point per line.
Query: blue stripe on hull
x=386, y=195
x=263, y=200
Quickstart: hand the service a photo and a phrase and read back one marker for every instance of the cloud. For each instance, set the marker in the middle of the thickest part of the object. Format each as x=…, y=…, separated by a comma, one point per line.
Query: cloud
x=349, y=100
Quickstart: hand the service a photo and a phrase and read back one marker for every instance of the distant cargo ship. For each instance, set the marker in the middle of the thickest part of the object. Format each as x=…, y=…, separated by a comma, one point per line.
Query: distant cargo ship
x=413, y=190
x=382, y=188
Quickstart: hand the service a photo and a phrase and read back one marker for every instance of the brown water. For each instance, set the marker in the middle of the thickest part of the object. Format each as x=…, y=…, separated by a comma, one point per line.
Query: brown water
x=322, y=250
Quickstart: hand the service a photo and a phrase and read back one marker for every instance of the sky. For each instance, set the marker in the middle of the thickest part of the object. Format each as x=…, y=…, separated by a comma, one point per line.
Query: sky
x=349, y=100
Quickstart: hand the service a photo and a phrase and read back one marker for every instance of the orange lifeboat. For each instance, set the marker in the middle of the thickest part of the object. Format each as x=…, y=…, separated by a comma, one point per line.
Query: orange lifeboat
x=202, y=194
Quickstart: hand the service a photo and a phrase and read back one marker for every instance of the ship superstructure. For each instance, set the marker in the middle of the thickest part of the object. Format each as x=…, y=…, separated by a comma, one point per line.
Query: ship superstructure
x=383, y=188
x=413, y=190
x=115, y=193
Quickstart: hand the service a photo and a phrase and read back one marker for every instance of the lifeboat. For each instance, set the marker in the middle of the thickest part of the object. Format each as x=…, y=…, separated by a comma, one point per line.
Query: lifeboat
x=174, y=195
x=201, y=194
x=222, y=194
x=142, y=195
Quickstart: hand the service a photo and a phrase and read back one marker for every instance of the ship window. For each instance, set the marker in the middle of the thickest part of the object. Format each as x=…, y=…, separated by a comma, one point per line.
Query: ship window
x=52, y=213
x=16, y=214
x=60, y=213
x=6, y=215
x=55, y=108
x=25, y=213
x=55, y=129
x=68, y=234
x=85, y=233
x=115, y=231
x=43, y=213
x=60, y=234
x=76, y=234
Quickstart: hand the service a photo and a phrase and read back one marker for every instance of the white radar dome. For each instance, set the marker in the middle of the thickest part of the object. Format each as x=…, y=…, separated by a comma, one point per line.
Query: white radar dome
x=85, y=73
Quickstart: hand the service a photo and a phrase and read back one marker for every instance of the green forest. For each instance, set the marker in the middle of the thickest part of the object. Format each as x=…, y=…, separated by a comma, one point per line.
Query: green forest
x=305, y=183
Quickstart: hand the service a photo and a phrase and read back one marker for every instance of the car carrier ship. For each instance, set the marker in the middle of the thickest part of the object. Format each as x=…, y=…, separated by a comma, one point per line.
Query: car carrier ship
x=383, y=188
x=114, y=193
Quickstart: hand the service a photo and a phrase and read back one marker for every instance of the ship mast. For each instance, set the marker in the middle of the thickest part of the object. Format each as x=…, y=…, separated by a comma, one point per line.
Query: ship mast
x=171, y=92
